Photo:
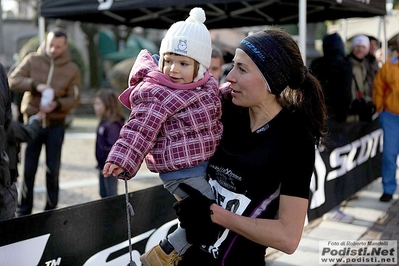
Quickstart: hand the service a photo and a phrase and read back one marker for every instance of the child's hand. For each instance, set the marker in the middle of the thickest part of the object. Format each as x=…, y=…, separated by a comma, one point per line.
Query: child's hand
x=112, y=169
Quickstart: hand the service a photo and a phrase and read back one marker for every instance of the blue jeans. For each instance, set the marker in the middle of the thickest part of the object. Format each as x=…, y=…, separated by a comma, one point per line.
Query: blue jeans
x=52, y=138
x=390, y=126
x=108, y=186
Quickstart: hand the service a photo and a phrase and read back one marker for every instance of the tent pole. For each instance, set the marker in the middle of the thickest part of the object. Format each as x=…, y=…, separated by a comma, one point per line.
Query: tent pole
x=302, y=29
x=379, y=28
x=41, y=24
x=344, y=24
x=385, y=41
x=42, y=29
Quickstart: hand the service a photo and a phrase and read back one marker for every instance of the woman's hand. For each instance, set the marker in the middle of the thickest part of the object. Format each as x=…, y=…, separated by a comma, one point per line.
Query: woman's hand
x=195, y=217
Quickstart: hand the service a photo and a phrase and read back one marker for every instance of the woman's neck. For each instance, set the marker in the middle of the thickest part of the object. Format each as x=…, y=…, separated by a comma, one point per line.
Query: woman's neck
x=259, y=116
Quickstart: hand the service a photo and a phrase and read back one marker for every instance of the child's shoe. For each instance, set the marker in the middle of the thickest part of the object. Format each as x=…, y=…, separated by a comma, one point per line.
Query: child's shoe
x=161, y=255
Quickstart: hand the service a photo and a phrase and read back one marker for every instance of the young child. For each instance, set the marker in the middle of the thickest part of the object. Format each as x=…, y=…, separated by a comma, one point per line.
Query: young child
x=108, y=109
x=174, y=121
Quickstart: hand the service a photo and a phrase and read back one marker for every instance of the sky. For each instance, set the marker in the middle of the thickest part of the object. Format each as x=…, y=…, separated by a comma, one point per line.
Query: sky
x=8, y=5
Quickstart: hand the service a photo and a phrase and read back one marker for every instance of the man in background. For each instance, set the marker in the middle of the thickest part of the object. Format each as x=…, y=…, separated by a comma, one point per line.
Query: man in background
x=361, y=108
x=371, y=61
x=50, y=82
x=8, y=189
x=334, y=71
x=386, y=101
x=217, y=62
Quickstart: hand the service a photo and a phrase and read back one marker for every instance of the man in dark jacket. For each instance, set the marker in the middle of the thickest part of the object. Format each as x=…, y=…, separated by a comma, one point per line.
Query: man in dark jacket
x=334, y=71
x=12, y=133
x=8, y=190
x=17, y=133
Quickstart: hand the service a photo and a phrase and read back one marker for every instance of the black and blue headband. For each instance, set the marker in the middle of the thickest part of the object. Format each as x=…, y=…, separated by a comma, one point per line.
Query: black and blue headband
x=270, y=58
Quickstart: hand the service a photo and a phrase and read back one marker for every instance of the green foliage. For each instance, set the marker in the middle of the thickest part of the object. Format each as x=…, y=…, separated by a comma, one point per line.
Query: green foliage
x=33, y=44
x=118, y=75
x=30, y=46
x=320, y=31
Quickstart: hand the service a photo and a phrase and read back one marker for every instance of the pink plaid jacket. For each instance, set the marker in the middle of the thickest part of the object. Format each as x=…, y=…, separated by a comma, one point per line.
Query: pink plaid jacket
x=172, y=126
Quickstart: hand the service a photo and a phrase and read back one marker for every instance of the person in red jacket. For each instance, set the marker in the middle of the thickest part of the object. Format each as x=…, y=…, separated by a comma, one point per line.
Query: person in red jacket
x=386, y=101
x=174, y=122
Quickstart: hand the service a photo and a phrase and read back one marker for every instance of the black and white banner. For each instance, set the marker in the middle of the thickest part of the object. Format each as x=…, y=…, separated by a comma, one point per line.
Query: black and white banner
x=350, y=160
x=95, y=233
x=90, y=234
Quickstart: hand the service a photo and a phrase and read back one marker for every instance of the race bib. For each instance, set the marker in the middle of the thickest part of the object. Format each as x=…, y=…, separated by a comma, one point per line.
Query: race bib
x=230, y=201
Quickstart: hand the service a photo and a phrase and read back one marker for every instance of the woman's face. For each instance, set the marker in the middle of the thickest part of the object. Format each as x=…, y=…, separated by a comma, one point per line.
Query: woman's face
x=360, y=51
x=249, y=88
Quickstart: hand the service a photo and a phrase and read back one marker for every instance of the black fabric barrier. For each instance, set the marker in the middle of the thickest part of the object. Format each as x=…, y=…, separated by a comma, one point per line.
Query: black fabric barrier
x=350, y=160
x=90, y=234
x=95, y=233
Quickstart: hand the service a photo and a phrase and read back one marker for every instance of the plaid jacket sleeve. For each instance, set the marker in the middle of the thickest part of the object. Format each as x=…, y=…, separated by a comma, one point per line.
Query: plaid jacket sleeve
x=138, y=136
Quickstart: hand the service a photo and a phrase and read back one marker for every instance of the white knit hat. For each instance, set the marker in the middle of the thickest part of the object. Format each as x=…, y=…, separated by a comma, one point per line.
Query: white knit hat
x=361, y=40
x=190, y=38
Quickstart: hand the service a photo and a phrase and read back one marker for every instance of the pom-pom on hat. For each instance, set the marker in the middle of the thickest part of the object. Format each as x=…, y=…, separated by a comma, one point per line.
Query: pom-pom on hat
x=190, y=38
x=361, y=40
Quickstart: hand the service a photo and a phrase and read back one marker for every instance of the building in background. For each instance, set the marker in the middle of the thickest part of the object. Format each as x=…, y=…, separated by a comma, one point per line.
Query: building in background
x=369, y=26
x=16, y=28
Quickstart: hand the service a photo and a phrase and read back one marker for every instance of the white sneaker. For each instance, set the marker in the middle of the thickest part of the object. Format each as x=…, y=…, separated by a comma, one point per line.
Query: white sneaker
x=340, y=216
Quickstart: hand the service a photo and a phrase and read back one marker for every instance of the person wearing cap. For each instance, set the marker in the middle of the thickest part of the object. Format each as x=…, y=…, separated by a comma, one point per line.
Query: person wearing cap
x=360, y=84
x=334, y=71
x=386, y=101
x=174, y=122
x=273, y=119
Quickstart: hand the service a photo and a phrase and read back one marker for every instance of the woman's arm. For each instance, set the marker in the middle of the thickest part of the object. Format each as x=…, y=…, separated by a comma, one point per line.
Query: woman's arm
x=282, y=234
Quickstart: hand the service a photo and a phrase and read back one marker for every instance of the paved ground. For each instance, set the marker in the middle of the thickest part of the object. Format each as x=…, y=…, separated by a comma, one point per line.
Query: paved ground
x=374, y=220
x=78, y=176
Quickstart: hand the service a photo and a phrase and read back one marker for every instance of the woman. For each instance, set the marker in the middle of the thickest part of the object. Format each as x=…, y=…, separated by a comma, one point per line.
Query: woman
x=273, y=117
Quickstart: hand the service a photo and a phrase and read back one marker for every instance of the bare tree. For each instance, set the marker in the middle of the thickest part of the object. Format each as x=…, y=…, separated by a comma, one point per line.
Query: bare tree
x=91, y=30
x=34, y=5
